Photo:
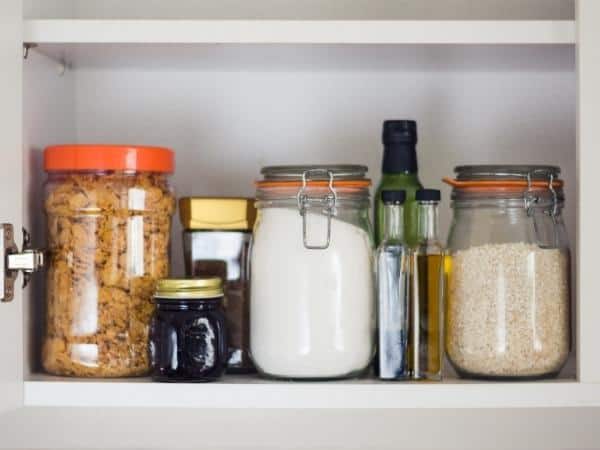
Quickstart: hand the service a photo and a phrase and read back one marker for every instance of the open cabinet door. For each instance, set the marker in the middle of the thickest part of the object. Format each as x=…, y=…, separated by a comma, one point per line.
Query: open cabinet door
x=11, y=197
x=588, y=58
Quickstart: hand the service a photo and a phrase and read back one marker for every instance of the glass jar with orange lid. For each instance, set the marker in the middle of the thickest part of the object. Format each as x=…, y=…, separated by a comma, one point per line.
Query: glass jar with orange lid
x=312, y=291
x=508, y=298
x=109, y=214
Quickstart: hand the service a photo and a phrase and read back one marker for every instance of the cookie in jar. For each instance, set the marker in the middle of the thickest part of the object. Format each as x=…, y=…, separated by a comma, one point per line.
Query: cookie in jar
x=108, y=212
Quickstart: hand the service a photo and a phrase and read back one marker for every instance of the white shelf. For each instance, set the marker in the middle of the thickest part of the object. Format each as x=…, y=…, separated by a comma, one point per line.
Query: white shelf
x=245, y=392
x=299, y=31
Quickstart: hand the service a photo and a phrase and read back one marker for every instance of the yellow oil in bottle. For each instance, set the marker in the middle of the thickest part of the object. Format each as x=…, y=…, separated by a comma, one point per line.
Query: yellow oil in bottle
x=425, y=353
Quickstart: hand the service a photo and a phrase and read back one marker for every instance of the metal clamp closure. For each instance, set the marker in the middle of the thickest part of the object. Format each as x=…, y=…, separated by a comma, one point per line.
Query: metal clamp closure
x=554, y=196
x=531, y=198
x=12, y=261
x=327, y=203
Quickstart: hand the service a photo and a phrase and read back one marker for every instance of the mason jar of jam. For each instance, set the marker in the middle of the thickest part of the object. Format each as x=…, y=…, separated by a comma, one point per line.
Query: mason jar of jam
x=188, y=340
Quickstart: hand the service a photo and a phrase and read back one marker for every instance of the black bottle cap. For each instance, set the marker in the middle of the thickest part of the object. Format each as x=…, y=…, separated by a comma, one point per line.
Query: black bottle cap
x=399, y=132
x=393, y=197
x=428, y=195
x=399, y=140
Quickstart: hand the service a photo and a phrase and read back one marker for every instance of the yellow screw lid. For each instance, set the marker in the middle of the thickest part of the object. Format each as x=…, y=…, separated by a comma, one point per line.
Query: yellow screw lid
x=217, y=213
x=193, y=288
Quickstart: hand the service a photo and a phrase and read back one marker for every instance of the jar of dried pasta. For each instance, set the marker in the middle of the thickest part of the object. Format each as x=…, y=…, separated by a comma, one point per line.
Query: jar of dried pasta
x=109, y=214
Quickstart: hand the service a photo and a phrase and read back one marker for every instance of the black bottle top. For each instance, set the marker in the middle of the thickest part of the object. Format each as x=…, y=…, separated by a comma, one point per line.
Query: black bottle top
x=428, y=195
x=399, y=139
x=393, y=197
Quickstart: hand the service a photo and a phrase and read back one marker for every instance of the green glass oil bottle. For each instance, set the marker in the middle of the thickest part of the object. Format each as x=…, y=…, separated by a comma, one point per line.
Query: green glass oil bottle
x=399, y=172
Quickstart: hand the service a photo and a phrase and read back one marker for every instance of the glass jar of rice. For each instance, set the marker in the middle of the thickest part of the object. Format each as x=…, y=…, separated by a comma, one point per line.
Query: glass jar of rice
x=508, y=298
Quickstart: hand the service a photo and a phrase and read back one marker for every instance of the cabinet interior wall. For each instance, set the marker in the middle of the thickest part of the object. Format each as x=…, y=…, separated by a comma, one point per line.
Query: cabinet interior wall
x=229, y=110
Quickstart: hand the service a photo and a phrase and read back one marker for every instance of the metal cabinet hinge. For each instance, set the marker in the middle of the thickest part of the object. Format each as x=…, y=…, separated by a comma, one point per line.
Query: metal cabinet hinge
x=12, y=261
x=26, y=47
x=62, y=64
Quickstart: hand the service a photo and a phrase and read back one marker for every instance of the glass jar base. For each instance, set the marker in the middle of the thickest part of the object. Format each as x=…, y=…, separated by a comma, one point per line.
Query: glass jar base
x=356, y=374
x=477, y=376
x=183, y=380
x=100, y=373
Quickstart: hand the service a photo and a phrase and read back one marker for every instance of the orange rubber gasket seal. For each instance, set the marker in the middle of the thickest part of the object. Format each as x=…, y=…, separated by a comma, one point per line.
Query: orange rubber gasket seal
x=356, y=184
x=501, y=185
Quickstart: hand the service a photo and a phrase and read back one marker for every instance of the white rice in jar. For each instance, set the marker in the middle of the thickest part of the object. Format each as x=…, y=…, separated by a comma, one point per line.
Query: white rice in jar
x=507, y=310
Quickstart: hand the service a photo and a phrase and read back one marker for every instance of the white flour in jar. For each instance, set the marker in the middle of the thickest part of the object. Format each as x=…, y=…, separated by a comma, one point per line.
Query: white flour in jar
x=312, y=311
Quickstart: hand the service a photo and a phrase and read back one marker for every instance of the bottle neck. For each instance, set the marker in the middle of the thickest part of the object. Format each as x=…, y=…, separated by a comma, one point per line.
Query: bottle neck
x=409, y=179
x=393, y=218
x=400, y=158
x=428, y=219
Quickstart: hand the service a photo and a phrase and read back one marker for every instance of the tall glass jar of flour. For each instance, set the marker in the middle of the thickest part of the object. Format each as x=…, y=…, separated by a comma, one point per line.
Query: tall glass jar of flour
x=312, y=292
x=507, y=308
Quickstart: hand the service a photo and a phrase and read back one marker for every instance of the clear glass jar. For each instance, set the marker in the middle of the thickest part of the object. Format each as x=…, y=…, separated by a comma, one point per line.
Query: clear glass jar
x=109, y=214
x=508, y=299
x=216, y=242
x=312, y=289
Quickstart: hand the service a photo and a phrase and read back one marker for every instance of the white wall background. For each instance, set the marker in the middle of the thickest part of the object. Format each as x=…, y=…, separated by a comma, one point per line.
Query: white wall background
x=226, y=125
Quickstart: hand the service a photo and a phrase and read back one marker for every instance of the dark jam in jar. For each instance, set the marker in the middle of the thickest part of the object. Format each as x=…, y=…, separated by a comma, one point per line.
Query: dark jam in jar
x=188, y=340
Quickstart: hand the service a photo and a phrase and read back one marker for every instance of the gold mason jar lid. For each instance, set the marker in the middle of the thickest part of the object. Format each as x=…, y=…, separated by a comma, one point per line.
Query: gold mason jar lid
x=217, y=213
x=181, y=288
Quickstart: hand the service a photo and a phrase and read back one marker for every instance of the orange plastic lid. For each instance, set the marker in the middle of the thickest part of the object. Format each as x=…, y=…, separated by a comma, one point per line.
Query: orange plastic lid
x=108, y=157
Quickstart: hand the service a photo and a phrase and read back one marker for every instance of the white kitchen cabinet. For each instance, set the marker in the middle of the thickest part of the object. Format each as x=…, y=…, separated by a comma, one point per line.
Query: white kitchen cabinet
x=235, y=85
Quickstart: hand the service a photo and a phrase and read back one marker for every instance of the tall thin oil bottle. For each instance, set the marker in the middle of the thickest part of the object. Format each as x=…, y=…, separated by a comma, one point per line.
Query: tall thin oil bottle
x=393, y=263
x=426, y=291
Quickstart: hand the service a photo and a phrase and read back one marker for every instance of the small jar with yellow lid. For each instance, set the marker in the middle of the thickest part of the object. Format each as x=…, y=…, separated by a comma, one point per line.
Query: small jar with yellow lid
x=188, y=339
x=216, y=242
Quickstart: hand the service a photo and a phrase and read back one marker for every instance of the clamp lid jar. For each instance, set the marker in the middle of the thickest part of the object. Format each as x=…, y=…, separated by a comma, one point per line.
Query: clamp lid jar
x=507, y=311
x=317, y=190
x=311, y=283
